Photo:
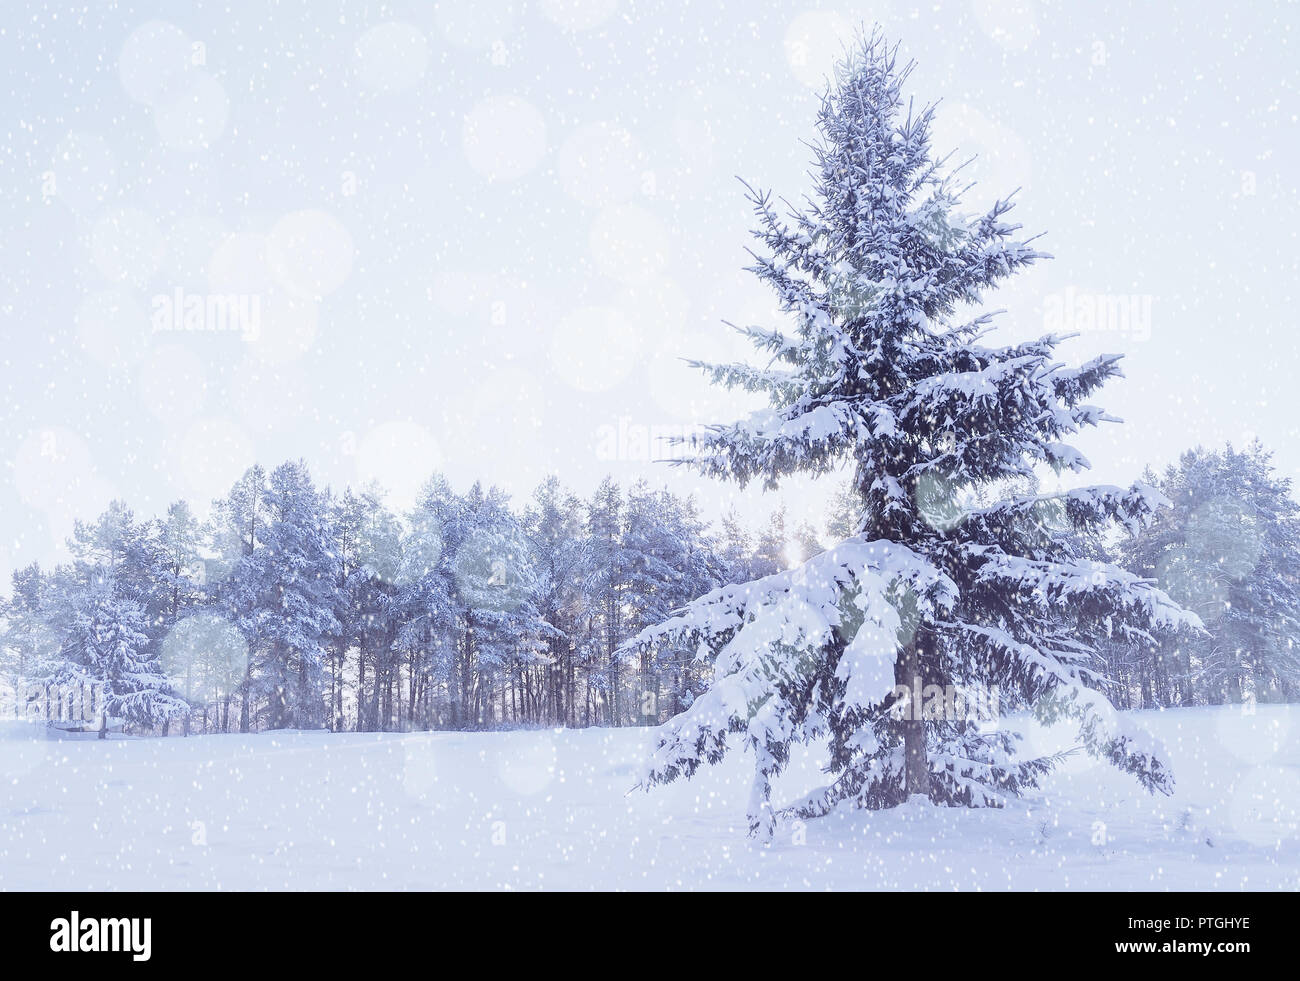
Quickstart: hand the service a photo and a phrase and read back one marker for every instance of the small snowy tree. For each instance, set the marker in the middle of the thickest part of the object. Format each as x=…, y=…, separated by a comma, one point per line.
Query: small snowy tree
x=873, y=645
x=108, y=648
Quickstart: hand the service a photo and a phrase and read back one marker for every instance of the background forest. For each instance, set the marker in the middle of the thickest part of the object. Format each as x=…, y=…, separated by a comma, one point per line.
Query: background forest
x=293, y=606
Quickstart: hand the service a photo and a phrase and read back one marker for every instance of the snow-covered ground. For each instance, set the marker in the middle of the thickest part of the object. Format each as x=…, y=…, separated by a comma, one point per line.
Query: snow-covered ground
x=551, y=810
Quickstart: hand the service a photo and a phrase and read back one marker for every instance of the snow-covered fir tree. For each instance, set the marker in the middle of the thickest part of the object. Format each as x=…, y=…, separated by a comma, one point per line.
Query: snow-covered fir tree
x=873, y=645
x=664, y=551
x=108, y=650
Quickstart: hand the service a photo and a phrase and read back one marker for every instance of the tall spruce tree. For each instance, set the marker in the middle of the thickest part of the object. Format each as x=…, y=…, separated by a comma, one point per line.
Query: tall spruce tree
x=932, y=596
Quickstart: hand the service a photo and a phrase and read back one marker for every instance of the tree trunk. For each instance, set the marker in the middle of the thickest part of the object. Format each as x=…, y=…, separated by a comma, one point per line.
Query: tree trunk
x=907, y=671
x=361, y=684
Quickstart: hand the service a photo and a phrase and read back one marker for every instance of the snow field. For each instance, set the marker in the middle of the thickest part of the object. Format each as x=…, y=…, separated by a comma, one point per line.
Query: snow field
x=552, y=810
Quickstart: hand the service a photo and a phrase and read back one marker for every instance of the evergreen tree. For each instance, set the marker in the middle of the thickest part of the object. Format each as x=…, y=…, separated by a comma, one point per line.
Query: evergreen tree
x=108, y=649
x=772, y=550
x=846, y=509
x=869, y=646
x=124, y=555
x=1229, y=549
x=281, y=593
x=432, y=620
x=804, y=544
x=238, y=525
x=177, y=582
x=367, y=551
x=294, y=615
x=606, y=582
x=29, y=644
x=424, y=611
x=555, y=526
x=493, y=585
x=684, y=550
x=180, y=571
x=735, y=550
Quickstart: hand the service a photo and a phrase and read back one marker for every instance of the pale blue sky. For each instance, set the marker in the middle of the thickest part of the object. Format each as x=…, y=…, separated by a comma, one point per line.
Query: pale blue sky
x=481, y=234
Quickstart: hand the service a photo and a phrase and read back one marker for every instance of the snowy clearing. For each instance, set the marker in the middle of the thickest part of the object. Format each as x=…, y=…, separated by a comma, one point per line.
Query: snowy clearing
x=550, y=810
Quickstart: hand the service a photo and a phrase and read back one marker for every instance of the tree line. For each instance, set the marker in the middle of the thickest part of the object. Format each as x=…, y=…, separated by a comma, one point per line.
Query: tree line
x=1227, y=548
x=291, y=606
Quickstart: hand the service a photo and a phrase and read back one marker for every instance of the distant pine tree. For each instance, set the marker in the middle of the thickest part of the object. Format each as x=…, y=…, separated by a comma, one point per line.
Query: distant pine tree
x=295, y=581
x=29, y=641
x=1229, y=549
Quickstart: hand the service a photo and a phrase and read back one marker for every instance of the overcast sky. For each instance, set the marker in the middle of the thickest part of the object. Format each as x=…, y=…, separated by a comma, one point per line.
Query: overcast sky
x=478, y=236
